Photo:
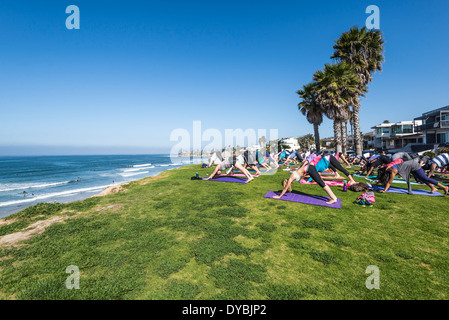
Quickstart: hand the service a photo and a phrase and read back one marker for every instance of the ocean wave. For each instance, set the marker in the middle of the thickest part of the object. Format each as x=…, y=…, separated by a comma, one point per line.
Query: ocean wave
x=141, y=165
x=34, y=186
x=137, y=169
x=51, y=195
x=132, y=174
x=133, y=170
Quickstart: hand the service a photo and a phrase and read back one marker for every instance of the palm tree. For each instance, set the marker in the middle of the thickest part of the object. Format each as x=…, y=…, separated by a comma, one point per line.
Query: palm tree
x=310, y=108
x=338, y=87
x=363, y=49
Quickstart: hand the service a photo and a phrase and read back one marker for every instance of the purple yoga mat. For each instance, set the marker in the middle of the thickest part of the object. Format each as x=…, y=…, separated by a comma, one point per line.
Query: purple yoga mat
x=240, y=175
x=228, y=179
x=306, y=199
x=405, y=191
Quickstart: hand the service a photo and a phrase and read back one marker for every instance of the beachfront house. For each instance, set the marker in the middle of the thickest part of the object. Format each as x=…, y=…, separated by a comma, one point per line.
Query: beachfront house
x=434, y=125
x=396, y=135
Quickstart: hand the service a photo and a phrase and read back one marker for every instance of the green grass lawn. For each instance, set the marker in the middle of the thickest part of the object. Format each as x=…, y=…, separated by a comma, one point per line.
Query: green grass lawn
x=173, y=238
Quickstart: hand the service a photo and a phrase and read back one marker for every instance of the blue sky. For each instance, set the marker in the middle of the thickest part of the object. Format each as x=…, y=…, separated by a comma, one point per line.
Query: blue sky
x=137, y=70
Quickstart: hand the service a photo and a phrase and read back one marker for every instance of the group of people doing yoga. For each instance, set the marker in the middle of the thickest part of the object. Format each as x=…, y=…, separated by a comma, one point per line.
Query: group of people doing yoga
x=313, y=164
x=248, y=159
x=406, y=164
x=311, y=168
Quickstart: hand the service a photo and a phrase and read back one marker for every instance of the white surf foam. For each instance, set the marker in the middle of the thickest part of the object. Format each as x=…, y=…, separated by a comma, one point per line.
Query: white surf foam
x=32, y=186
x=141, y=165
x=133, y=174
x=51, y=195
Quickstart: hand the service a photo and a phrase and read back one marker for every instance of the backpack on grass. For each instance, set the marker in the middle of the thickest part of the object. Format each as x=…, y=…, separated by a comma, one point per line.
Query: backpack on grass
x=359, y=187
x=368, y=196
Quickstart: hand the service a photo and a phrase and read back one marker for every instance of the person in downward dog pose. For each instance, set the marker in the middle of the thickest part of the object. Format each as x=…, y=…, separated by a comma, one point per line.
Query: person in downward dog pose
x=375, y=163
x=342, y=157
x=311, y=167
x=439, y=161
x=294, y=157
x=230, y=163
x=404, y=169
x=271, y=157
x=261, y=160
x=249, y=160
x=215, y=159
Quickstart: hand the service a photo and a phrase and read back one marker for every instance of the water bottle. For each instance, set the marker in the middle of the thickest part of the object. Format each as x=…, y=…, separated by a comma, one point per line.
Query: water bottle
x=197, y=175
x=345, y=186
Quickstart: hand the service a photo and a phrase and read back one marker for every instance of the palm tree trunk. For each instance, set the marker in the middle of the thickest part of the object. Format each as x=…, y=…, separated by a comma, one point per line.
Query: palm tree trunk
x=344, y=135
x=357, y=136
x=337, y=135
x=317, y=137
x=352, y=132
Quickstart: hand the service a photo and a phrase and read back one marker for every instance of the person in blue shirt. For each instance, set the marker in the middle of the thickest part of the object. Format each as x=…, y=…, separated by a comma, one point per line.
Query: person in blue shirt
x=311, y=168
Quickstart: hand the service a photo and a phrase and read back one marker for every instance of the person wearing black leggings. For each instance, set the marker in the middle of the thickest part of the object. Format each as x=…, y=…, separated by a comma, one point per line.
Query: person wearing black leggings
x=318, y=164
x=331, y=162
x=250, y=160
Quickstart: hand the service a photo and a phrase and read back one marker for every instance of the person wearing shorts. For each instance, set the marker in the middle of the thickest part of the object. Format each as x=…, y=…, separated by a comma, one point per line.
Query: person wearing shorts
x=439, y=161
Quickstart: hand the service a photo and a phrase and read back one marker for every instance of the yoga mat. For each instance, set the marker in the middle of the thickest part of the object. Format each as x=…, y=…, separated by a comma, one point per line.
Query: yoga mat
x=239, y=175
x=369, y=177
x=306, y=199
x=253, y=173
x=405, y=191
x=328, y=183
x=333, y=178
x=396, y=181
x=228, y=179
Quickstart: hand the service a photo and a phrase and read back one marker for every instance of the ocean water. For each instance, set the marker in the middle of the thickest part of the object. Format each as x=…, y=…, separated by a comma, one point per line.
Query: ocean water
x=25, y=181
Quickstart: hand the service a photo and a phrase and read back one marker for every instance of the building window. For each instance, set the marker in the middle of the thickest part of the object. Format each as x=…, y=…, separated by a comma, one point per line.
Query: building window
x=407, y=128
x=396, y=130
x=385, y=130
x=441, y=138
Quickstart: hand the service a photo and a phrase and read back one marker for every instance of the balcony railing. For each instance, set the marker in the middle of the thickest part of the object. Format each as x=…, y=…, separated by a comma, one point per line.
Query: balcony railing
x=434, y=125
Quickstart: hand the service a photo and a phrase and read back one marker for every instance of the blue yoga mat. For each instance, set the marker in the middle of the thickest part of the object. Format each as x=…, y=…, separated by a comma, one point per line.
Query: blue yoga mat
x=397, y=181
x=405, y=191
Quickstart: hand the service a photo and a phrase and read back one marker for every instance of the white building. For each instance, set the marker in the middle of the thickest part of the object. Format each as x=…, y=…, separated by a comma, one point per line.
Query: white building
x=396, y=135
x=291, y=142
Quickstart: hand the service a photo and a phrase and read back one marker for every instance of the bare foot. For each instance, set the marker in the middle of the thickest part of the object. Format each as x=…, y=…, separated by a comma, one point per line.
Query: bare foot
x=446, y=190
x=331, y=201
